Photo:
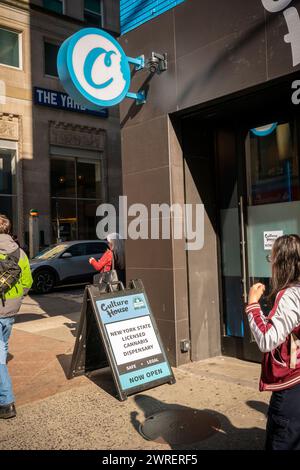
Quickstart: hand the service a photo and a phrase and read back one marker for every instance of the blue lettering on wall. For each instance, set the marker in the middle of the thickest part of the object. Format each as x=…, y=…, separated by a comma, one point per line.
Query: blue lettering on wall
x=59, y=100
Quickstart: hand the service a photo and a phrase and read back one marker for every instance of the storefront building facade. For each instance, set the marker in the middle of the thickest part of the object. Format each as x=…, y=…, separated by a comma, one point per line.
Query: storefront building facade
x=55, y=156
x=232, y=68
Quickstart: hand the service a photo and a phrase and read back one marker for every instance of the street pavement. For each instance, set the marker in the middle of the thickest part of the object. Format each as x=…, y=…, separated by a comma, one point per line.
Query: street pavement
x=84, y=413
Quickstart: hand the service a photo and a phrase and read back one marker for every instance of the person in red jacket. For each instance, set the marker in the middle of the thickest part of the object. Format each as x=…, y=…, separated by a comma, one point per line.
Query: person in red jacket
x=277, y=336
x=115, y=251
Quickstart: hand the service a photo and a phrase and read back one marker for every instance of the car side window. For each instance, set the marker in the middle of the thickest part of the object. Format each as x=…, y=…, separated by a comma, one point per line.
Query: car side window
x=96, y=248
x=77, y=250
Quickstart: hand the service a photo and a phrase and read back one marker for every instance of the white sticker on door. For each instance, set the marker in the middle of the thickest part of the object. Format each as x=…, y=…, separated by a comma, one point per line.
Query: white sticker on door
x=270, y=237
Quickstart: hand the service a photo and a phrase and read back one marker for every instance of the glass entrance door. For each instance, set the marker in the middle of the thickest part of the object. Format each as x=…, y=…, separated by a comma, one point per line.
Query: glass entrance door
x=230, y=233
x=259, y=200
x=273, y=193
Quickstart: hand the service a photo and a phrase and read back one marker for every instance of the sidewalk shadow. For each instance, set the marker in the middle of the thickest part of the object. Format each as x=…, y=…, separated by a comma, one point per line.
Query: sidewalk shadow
x=227, y=436
x=52, y=305
x=101, y=377
x=25, y=317
x=258, y=406
x=104, y=380
x=72, y=327
x=9, y=357
x=65, y=363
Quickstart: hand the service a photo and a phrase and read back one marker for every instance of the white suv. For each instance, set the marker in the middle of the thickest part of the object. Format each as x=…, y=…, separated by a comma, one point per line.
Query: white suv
x=65, y=263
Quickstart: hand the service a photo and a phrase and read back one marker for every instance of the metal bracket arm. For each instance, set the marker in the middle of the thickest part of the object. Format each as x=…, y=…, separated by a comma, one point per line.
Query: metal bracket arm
x=138, y=62
x=139, y=97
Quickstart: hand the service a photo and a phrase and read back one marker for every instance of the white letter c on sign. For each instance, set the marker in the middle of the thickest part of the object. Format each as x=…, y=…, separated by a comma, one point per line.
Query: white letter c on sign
x=273, y=6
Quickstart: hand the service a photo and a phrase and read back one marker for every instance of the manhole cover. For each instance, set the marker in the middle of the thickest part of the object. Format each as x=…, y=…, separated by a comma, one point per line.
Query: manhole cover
x=179, y=426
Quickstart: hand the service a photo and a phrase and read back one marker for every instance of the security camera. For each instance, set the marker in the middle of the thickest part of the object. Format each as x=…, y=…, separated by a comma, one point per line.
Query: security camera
x=157, y=63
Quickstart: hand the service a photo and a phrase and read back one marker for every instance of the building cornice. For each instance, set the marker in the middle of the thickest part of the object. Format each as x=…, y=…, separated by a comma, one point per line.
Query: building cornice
x=21, y=4
x=76, y=136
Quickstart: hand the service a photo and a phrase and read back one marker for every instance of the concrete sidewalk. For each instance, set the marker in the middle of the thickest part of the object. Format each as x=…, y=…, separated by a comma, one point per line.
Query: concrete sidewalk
x=83, y=413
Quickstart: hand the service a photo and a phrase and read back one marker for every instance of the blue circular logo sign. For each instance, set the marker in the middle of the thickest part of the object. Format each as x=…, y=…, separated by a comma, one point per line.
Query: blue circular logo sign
x=94, y=69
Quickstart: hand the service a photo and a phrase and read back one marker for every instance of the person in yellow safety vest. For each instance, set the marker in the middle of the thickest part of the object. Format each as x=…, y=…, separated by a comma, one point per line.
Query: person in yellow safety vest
x=10, y=304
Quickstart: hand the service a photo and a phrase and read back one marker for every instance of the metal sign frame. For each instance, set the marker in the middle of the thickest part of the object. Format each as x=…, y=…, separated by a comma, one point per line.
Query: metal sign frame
x=93, y=349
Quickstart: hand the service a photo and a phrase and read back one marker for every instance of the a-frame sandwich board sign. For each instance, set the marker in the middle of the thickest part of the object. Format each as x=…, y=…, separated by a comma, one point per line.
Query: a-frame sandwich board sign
x=117, y=329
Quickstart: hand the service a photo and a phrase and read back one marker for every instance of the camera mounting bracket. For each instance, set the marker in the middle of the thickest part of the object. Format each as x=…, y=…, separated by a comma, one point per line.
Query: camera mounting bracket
x=157, y=63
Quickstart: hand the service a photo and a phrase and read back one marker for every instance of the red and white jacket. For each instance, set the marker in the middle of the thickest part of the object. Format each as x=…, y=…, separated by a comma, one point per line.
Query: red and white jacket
x=277, y=335
x=105, y=263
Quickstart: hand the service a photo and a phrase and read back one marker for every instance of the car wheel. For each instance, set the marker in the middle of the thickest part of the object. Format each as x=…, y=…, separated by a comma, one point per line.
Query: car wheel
x=43, y=281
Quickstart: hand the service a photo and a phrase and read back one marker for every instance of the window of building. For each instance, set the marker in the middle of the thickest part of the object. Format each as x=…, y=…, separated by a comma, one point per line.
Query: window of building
x=50, y=54
x=76, y=189
x=54, y=5
x=93, y=12
x=10, y=48
x=8, y=182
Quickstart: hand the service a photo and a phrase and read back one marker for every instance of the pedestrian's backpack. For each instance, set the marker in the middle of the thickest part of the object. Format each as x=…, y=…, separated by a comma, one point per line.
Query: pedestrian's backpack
x=10, y=272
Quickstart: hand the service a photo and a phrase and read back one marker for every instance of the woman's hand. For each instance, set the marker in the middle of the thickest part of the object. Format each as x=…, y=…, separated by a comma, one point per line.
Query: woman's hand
x=91, y=259
x=256, y=292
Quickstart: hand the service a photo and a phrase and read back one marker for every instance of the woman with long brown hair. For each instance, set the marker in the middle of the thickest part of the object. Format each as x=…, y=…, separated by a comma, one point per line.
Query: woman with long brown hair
x=277, y=337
